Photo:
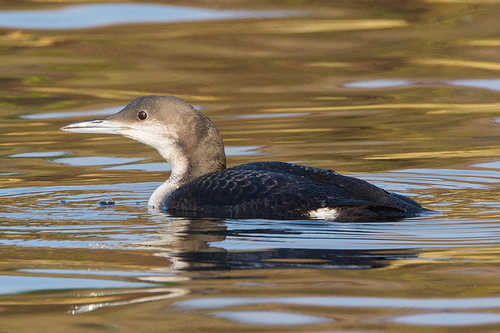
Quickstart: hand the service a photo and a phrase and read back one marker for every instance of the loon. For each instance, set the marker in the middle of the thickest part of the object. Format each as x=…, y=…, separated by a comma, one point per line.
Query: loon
x=201, y=186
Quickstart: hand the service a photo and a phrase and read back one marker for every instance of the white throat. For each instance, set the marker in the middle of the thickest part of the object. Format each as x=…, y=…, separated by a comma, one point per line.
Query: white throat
x=163, y=191
x=178, y=176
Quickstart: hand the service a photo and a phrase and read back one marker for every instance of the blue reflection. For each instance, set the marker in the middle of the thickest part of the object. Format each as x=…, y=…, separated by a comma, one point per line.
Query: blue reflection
x=41, y=154
x=490, y=84
x=97, y=160
x=365, y=302
x=92, y=272
x=86, y=16
x=273, y=318
x=73, y=114
x=14, y=284
x=377, y=84
x=448, y=319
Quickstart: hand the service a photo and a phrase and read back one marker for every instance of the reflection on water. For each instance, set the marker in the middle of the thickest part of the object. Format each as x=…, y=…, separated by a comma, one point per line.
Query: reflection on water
x=432, y=231
x=491, y=84
x=439, y=319
x=448, y=319
x=271, y=318
x=78, y=114
x=489, y=165
x=270, y=115
x=16, y=284
x=378, y=84
x=41, y=154
x=96, y=15
x=96, y=160
x=296, y=258
x=424, y=304
x=90, y=272
x=151, y=167
x=128, y=297
x=402, y=94
x=198, y=249
x=73, y=114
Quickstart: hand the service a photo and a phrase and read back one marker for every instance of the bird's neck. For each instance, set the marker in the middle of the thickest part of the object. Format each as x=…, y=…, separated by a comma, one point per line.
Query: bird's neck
x=187, y=167
x=163, y=191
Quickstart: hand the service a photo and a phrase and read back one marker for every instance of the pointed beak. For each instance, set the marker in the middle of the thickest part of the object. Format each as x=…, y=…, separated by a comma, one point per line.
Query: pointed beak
x=101, y=126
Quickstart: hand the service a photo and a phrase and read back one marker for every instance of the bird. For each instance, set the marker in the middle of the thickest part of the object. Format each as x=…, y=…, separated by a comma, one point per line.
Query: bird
x=200, y=185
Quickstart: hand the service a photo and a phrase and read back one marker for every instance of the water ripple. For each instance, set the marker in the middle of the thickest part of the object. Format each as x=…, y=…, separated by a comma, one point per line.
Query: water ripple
x=96, y=15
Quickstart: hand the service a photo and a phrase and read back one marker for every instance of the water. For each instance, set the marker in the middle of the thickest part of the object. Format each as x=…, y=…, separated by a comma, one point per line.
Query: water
x=96, y=15
x=404, y=95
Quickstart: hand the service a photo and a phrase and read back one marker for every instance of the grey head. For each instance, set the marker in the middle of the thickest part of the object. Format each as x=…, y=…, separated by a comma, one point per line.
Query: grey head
x=186, y=138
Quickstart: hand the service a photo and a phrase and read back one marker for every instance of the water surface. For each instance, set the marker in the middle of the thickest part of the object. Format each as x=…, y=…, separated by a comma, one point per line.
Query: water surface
x=402, y=94
x=97, y=15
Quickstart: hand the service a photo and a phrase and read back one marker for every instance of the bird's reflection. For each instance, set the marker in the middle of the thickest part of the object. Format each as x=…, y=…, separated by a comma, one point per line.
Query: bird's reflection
x=210, y=245
x=198, y=249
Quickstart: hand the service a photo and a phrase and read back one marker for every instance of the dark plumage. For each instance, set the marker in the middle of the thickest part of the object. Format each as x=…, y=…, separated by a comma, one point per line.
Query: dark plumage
x=200, y=185
x=278, y=190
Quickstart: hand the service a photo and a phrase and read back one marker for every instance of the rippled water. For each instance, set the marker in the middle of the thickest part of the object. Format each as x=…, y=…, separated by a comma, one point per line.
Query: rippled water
x=404, y=95
x=95, y=15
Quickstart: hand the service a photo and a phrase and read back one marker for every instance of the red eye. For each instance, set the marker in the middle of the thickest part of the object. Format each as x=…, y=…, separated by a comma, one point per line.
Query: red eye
x=142, y=115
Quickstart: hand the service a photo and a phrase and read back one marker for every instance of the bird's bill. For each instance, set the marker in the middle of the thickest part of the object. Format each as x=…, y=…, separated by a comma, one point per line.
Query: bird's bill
x=100, y=126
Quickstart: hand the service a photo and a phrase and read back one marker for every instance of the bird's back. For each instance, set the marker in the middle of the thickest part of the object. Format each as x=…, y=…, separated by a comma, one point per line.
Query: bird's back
x=277, y=190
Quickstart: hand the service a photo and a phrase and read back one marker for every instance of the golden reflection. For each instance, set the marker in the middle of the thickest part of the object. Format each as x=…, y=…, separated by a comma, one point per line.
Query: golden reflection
x=24, y=143
x=485, y=255
x=330, y=98
x=247, y=67
x=118, y=94
x=23, y=124
x=19, y=38
x=303, y=26
x=279, y=130
x=88, y=301
x=28, y=133
x=490, y=66
x=464, y=1
x=93, y=301
x=442, y=108
x=481, y=42
x=329, y=64
x=9, y=181
x=493, y=152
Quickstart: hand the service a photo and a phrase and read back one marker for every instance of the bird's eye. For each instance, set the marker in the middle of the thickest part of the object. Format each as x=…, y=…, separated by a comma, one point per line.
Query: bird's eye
x=142, y=115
